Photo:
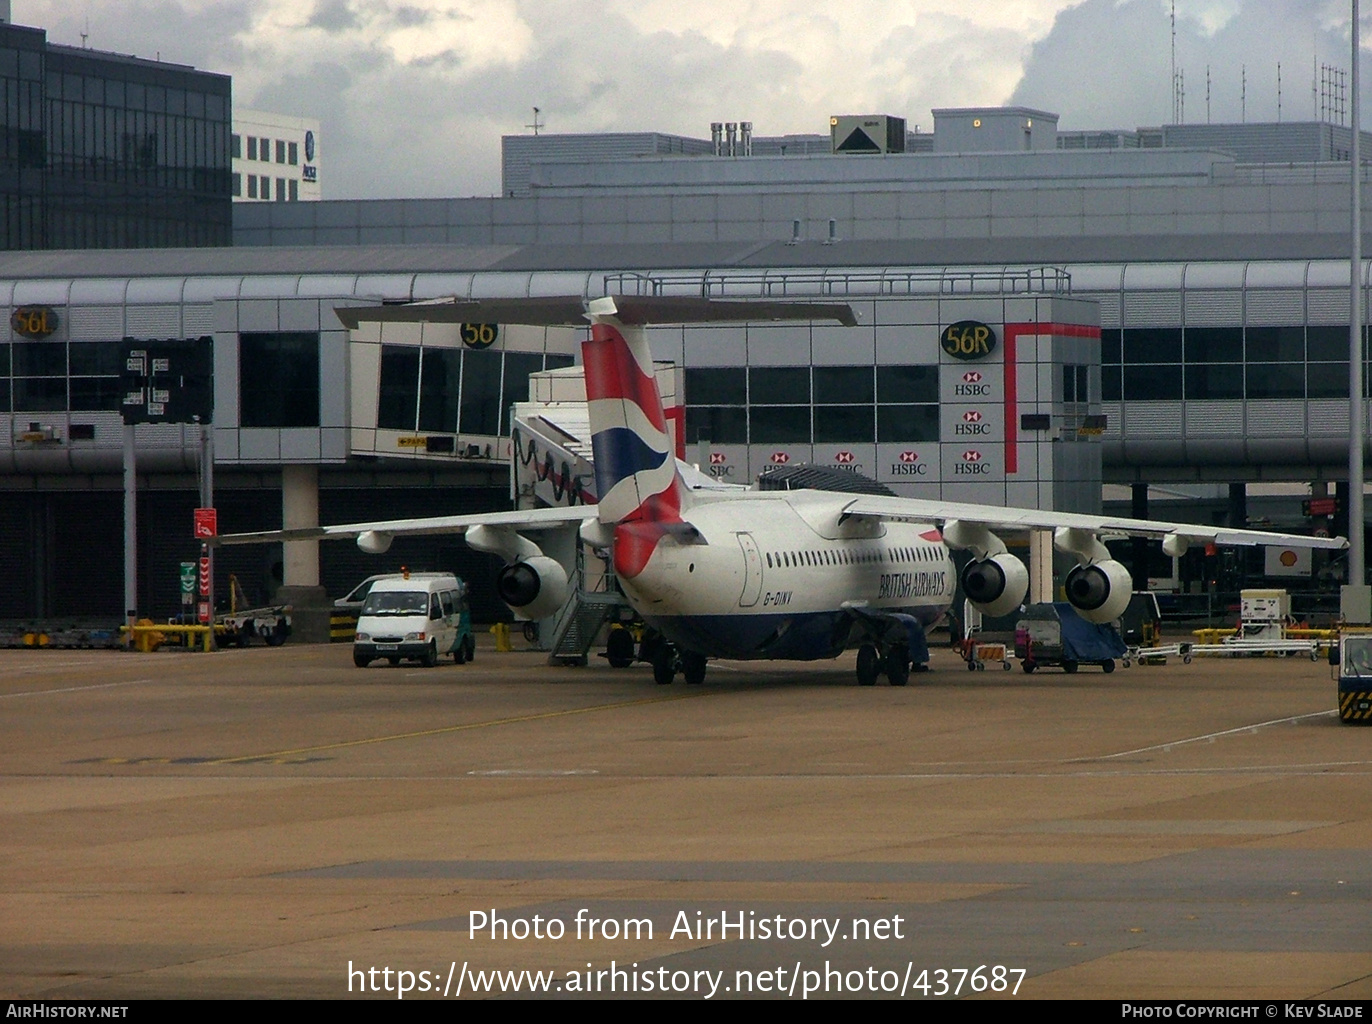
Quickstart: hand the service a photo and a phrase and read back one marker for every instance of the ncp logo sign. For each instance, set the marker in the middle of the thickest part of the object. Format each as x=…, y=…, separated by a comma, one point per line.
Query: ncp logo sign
x=968, y=339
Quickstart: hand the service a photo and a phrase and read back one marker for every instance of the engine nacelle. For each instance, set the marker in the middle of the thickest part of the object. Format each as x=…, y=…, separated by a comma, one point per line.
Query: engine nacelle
x=1100, y=591
x=535, y=587
x=374, y=542
x=995, y=585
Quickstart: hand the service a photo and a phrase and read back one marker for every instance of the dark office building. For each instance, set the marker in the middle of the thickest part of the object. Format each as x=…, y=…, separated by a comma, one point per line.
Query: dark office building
x=104, y=151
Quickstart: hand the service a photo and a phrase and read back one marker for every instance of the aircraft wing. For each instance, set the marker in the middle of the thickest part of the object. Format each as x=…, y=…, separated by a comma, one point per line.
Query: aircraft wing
x=520, y=519
x=922, y=510
x=574, y=310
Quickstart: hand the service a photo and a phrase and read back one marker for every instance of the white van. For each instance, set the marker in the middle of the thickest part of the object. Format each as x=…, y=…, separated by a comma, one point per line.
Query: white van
x=419, y=617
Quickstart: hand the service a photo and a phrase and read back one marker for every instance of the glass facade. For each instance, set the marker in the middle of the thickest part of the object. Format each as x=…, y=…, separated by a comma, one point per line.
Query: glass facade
x=1206, y=363
x=102, y=151
x=455, y=391
x=801, y=404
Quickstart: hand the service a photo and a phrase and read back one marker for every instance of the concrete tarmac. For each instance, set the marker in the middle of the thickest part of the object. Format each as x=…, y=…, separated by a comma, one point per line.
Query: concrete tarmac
x=277, y=823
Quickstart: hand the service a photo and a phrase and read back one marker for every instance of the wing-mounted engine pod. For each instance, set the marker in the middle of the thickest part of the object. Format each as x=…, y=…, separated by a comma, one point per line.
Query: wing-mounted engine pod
x=535, y=587
x=996, y=585
x=1100, y=591
x=374, y=542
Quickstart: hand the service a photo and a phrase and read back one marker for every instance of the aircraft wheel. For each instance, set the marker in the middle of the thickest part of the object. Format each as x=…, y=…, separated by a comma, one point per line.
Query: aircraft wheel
x=619, y=648
x=1108, y=665
x=898, y=665
x=531, y=632
x=1028, y=666
x=361, y=661
x=693, y=667
x=868, y=665
x=1069, y=667
x=664, y=665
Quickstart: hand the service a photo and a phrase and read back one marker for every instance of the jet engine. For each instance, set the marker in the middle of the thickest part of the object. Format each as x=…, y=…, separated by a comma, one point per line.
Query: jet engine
x=996, y=585
x=374, y=542
x=535, y=587
x=1099, y=591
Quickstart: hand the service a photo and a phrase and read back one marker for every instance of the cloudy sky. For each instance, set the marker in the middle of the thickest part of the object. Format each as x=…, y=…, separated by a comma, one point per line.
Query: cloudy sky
x=413, y=95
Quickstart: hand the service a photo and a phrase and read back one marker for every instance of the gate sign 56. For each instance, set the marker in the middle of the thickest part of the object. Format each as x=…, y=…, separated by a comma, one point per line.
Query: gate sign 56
x=968, y=339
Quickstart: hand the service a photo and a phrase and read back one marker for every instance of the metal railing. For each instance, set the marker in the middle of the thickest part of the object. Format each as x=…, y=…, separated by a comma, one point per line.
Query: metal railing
x=1042, y=280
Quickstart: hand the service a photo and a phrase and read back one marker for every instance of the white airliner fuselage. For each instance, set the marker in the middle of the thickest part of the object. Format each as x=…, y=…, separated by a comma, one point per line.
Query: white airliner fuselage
x=785, y=574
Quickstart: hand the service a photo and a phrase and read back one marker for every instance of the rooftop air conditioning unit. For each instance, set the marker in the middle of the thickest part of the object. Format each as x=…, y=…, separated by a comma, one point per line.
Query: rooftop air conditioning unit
x=866, y=133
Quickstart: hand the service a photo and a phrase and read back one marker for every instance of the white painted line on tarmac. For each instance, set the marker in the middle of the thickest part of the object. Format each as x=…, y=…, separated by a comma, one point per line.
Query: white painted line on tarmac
x=1210, y=736
x=75, y=689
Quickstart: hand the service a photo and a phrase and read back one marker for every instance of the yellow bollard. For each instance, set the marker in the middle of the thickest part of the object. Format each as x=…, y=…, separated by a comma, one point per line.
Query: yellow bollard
x=502, y=637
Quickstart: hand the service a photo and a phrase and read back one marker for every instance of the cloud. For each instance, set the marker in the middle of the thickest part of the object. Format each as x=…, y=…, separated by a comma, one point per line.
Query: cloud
x=414, y=95
x=1107, y=63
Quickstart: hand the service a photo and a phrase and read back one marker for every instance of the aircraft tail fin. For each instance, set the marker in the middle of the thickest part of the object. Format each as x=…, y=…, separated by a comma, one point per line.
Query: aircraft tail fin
x=640, y=491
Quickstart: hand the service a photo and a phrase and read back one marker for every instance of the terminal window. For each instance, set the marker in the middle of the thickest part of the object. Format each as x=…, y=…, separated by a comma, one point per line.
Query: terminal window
x=278, y=379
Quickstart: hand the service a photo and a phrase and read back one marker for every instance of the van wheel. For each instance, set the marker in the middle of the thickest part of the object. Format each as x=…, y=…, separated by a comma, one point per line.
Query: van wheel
x=470, y=646
x=1028, y=666
x=361, y=660
x=393, y=660
x=460, y=653
x=430, y=658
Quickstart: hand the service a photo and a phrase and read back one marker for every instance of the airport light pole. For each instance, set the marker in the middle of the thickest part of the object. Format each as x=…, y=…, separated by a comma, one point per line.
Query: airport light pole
x=1357, y=416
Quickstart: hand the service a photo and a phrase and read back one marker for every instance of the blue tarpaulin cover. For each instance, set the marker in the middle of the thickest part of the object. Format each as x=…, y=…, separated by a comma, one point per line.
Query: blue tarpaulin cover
x=1086, y=641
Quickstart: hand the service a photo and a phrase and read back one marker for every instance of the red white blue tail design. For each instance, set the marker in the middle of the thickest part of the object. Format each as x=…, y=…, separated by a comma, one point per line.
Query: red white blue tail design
x=635, y=463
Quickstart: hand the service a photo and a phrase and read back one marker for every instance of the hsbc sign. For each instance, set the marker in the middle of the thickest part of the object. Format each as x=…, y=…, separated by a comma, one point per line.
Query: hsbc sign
x=909, y=465
x=972, y=464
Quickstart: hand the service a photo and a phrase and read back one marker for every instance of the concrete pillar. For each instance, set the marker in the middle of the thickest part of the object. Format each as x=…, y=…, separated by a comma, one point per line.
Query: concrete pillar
x=1139, y=546
x=300, y=558
x=1040, y=566
x=300, y=509
x=1238, y=506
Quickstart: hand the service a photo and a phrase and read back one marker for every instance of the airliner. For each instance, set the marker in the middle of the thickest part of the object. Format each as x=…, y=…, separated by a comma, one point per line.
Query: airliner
x=787, y=575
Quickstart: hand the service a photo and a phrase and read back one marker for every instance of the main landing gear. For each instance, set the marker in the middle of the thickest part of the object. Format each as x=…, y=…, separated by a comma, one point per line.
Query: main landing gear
x=666, y=660
x=895, y=665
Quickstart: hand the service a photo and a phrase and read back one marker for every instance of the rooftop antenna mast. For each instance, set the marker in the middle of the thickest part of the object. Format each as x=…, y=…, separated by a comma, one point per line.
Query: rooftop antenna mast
x=1174, y=61
x=1278, y=92
x=1207, y=94
x=537, y=124
x=1243, y=93
x=86, y=34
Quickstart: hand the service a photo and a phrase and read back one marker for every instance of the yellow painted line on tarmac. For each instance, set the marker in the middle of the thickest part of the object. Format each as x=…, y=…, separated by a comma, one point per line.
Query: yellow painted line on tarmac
x=514, y=720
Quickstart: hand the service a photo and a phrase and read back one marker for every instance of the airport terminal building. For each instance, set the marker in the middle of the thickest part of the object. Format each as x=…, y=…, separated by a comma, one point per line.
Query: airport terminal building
x=1166, y=312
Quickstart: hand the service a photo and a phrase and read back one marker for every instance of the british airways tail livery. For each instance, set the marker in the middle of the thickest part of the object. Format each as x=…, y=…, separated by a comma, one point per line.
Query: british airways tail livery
x=800, y=574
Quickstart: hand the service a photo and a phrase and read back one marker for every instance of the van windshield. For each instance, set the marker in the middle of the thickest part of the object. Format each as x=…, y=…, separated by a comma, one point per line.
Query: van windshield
x=396, y=602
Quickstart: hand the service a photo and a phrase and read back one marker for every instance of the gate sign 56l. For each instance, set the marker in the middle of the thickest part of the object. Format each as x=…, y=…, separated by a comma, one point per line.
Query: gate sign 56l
x=968, y=339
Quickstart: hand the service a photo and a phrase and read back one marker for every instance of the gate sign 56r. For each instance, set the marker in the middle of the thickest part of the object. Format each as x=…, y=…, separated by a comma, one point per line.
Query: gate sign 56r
x=968, y=339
